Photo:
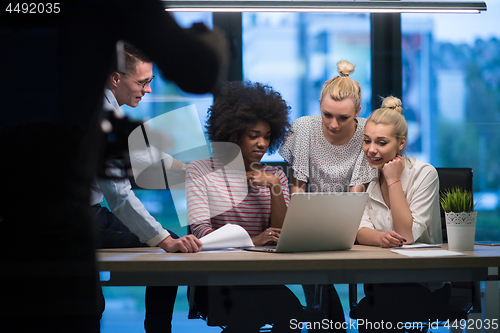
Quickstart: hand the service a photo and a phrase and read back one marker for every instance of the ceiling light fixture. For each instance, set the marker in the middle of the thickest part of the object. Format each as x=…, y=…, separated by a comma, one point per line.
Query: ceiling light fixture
x=325, y=6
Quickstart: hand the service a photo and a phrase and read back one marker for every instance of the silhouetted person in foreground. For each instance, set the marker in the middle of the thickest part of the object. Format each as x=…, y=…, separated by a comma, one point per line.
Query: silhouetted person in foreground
x=56, y=65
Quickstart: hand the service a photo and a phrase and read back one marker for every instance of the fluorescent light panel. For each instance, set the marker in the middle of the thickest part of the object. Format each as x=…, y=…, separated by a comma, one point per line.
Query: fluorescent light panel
x=324, y=6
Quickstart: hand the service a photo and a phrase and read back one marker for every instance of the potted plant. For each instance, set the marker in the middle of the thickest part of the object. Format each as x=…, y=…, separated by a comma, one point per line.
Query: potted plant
x=458, y=206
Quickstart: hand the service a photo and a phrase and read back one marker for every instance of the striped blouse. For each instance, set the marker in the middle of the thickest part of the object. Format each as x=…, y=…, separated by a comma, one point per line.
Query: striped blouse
x=217, y=195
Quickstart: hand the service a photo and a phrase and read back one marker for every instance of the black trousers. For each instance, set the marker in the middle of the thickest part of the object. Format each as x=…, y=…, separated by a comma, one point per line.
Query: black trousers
x=244, y=309
x=330, y=303
x=395, y=303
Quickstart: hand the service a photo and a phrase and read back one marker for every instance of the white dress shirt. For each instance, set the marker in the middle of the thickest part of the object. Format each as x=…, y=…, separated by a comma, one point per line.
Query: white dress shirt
x=122, y=200
x=421, y=188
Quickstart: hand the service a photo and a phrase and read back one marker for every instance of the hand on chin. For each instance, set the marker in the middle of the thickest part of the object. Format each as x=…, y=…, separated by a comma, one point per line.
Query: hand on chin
x=393, y=169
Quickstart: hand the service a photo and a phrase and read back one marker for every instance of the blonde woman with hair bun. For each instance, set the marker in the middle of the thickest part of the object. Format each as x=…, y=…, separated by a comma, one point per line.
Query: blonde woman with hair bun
x=402, y=208
x=325, y=152
x=414, y=214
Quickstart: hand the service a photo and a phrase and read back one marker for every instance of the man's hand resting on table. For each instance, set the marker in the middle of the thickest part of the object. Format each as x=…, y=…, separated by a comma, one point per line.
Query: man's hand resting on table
x=186, y=244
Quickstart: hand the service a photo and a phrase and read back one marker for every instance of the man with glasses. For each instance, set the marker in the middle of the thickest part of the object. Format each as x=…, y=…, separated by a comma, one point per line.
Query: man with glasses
x=130, y=85
x=129, y=224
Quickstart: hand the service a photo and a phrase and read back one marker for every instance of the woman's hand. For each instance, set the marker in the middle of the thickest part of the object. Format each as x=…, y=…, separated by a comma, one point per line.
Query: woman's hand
x=259, y=178
x=391, y=239
x=392, y=170
x=267, y=236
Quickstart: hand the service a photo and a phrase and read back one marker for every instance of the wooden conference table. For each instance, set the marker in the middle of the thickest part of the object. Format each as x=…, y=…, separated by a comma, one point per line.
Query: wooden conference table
x=361, y=264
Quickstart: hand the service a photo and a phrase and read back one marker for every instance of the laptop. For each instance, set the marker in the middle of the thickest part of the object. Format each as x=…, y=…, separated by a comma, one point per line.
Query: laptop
x=319, y=222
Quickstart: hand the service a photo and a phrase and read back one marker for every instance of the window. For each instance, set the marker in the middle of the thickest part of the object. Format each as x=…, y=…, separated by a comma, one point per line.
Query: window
x=451, y=96
x=127, y=303
x=166, y=96
x=451, y=86
x=296, y=53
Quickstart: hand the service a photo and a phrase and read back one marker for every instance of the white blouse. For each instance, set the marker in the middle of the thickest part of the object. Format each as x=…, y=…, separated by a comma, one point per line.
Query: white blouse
x=327, y=167
x=421, y=188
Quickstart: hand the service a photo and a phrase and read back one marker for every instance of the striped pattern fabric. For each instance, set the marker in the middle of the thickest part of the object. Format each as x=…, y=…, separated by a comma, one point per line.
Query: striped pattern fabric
x=218, y=194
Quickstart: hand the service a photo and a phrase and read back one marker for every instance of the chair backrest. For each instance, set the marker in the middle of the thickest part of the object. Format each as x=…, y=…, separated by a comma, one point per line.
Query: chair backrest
x=450, y=178
x=287, y=169
x=284, y=166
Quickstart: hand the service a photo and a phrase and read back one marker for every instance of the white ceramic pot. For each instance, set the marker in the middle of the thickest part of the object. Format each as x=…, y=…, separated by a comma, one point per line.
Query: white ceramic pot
x=461, y=229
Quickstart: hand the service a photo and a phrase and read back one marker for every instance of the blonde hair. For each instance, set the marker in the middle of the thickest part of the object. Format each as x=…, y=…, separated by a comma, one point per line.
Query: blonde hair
x=133, y=56
x=391, y=113
x=343, y=86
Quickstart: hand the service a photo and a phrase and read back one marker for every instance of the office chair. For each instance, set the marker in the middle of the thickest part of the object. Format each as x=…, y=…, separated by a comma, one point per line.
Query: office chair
x=199, y=309
x=465, y=296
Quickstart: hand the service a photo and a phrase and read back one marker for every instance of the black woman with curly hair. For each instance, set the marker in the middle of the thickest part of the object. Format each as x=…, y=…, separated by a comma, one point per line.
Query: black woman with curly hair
x=254, y=118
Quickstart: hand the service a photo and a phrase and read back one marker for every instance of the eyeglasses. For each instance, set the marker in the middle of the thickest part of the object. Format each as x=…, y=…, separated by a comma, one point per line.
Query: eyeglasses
x=142, y=84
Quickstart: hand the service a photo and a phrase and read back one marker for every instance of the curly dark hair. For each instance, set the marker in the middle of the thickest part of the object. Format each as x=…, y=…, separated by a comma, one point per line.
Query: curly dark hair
x=243, y=104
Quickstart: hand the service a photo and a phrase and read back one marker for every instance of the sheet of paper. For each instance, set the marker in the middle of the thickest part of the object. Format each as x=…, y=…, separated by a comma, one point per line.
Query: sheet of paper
x=230, y=235
x=419, y=246
x=229, y=249
x=427, y=253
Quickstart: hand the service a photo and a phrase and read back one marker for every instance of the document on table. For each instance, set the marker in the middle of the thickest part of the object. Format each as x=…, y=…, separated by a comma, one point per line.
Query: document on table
x=228, y=249
x=427, y=253
x=228, y=236
x=418, y=245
